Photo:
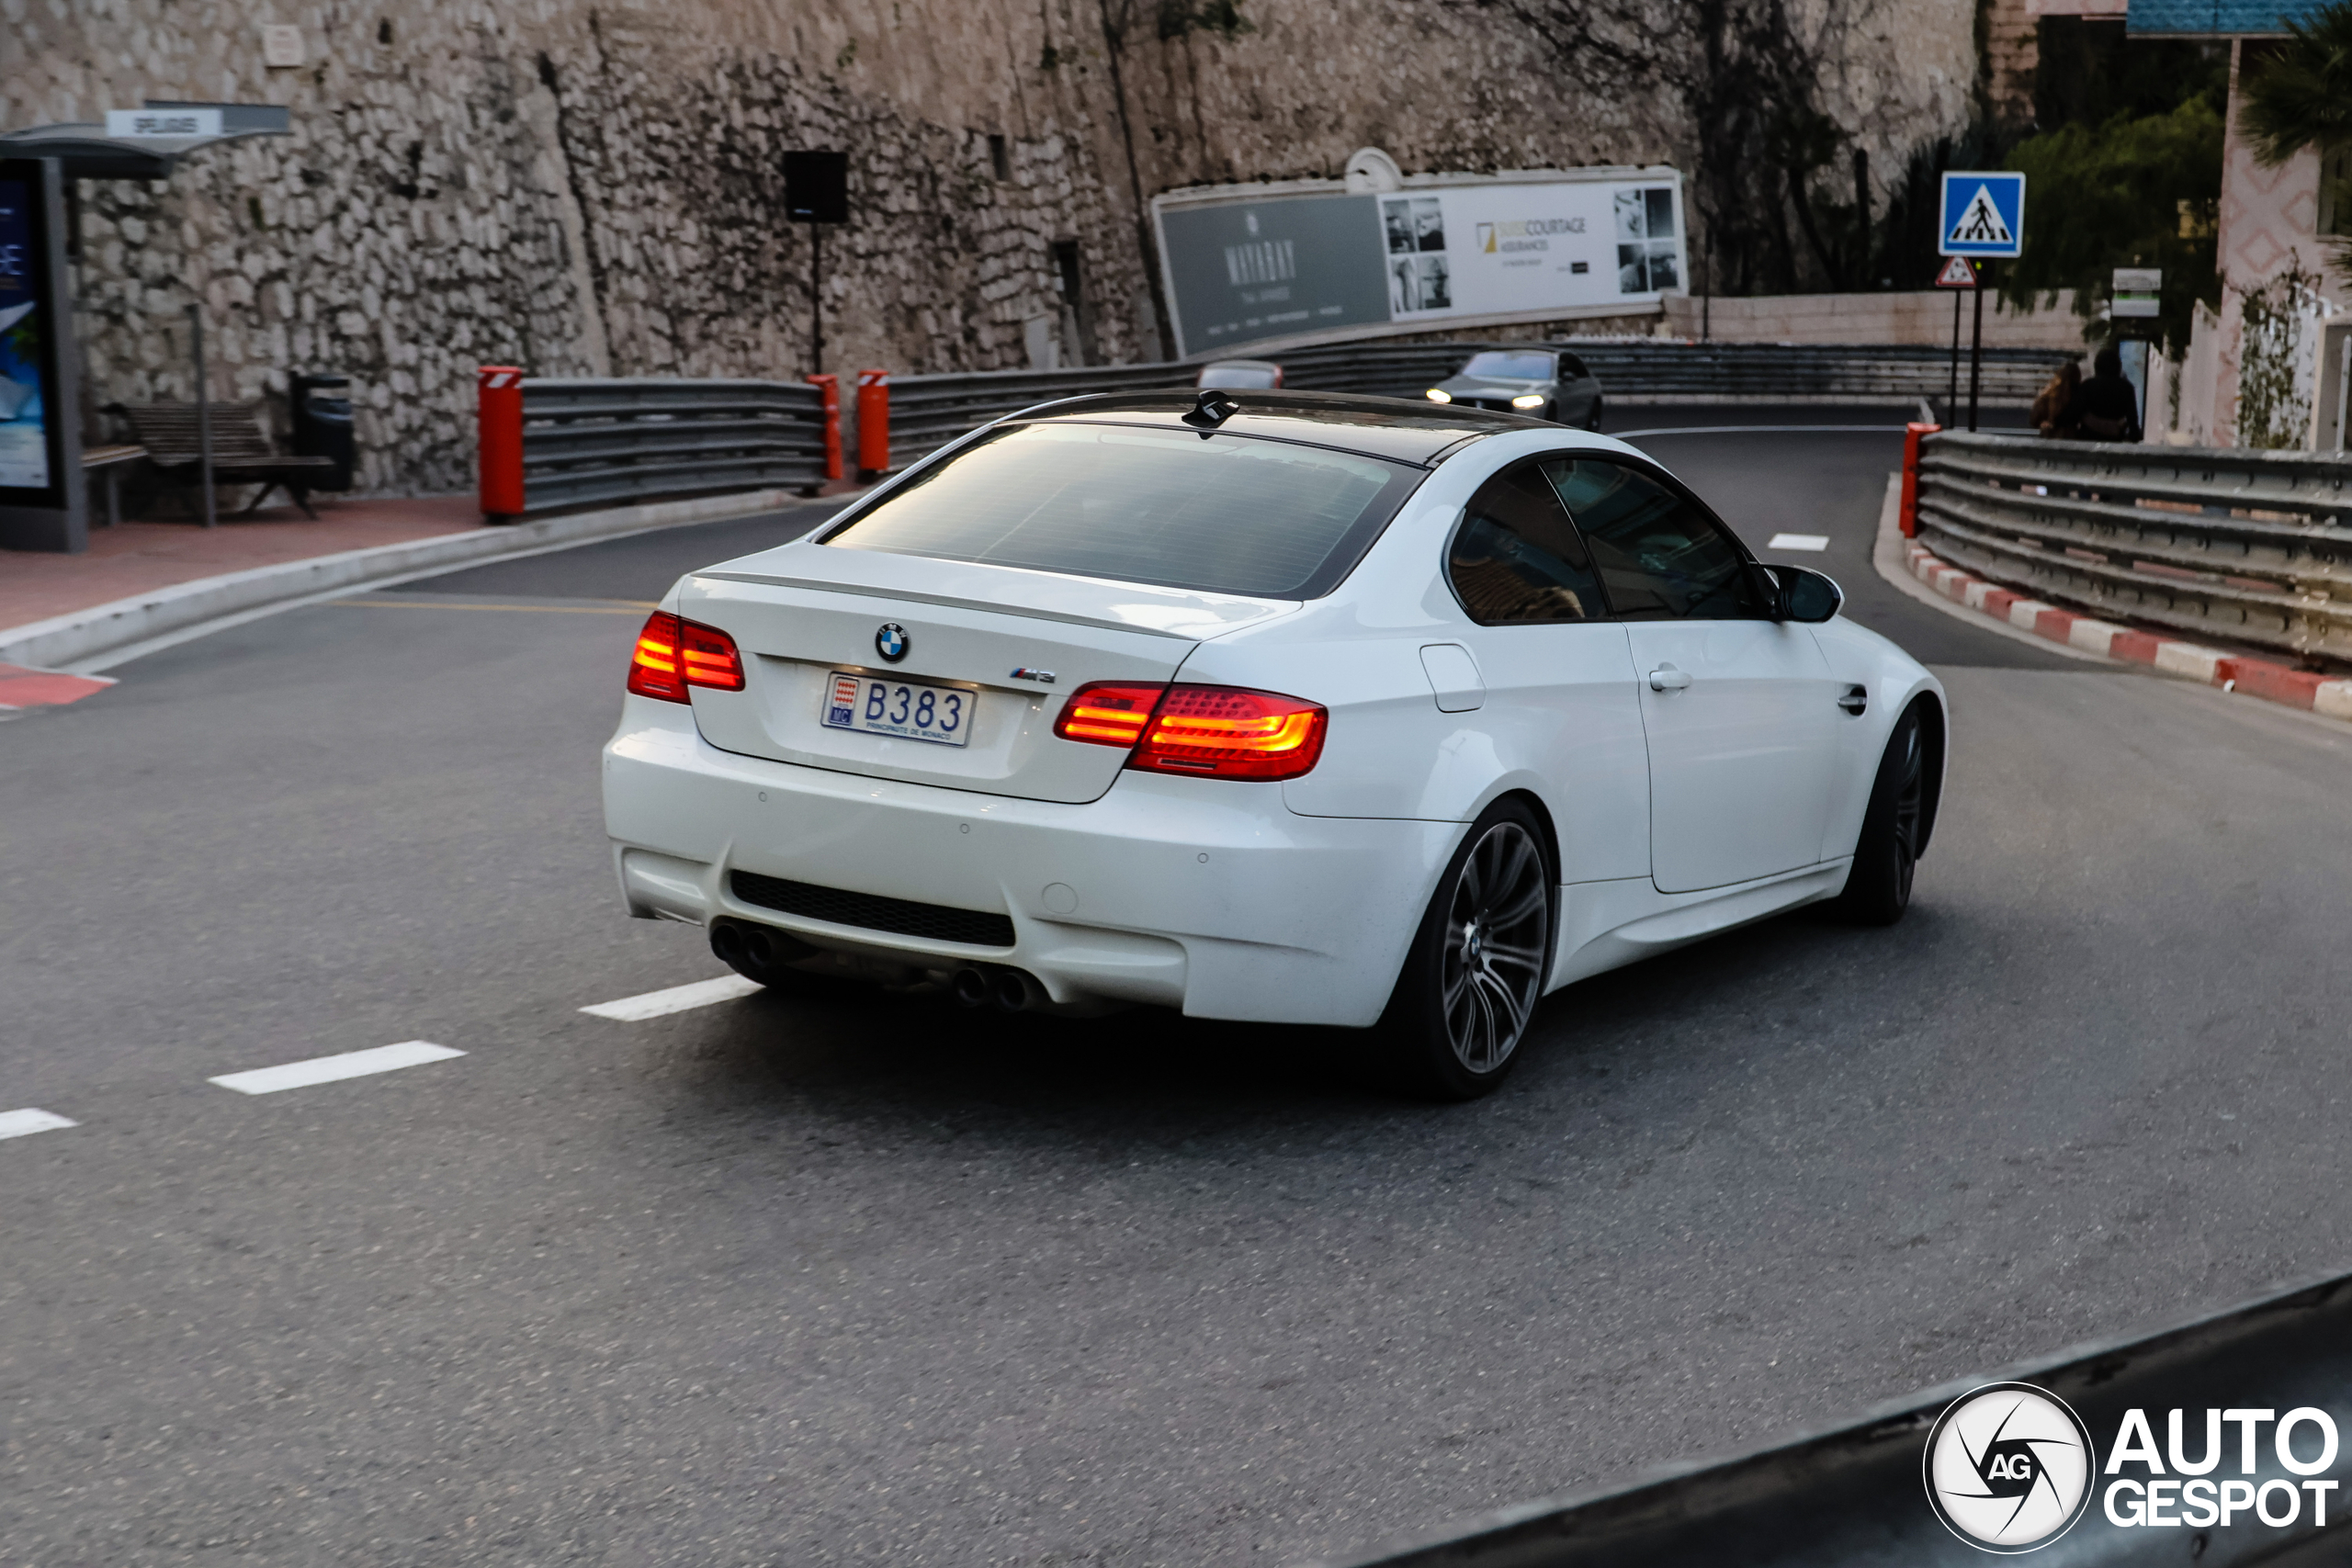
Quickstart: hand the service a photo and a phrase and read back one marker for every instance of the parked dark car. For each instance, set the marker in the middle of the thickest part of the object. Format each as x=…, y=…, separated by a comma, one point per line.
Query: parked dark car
x=1542, y=383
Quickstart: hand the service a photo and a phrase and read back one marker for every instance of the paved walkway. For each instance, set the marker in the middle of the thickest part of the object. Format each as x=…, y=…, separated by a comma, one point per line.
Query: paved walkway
x=138, y=558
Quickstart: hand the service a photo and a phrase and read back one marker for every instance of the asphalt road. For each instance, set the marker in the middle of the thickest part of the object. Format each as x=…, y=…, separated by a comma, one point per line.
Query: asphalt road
x=772, y=1282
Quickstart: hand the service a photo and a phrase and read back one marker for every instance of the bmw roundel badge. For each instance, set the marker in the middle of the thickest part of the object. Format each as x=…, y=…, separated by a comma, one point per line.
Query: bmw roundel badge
x=890, y=642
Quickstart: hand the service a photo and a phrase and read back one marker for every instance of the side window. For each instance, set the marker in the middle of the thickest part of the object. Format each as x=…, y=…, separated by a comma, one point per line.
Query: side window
x=1516, y=558
x=1572, y=368
x=1657, y=551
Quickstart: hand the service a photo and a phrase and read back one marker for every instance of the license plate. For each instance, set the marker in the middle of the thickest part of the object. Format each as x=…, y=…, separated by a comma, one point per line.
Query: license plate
x=910, y=709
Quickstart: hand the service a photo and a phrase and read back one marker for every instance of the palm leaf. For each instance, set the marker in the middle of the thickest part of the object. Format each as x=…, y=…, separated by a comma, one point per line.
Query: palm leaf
x=2300, y=95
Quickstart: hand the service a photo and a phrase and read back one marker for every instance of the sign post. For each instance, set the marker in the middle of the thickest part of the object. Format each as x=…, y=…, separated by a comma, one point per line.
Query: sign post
x=1957, y=275
x=816, y=191
x=1983, y=218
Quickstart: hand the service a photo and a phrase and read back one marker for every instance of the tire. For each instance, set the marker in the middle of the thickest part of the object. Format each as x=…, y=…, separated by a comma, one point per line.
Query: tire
x=1475, y=970
x=1878, y=887
x=1592, y=419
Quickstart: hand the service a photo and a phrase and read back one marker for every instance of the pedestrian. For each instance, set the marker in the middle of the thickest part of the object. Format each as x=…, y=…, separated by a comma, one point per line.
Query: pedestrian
x=2106, y=407
x=2056, y=397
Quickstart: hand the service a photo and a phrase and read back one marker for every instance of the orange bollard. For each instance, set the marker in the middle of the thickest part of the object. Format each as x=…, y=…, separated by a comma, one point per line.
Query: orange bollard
x=829, y=386
x=873, y=424
x=1908, y=514
x=499, y=433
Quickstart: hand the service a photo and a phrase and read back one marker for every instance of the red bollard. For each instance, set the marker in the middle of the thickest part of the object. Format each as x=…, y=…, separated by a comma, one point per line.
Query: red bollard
x=1908, y=515
x=829, y=387
x=500, y=390
x=873, y=424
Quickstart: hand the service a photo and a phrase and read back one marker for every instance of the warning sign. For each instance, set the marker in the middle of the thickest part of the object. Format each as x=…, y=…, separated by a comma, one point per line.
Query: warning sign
x=1957, y=274
x=1983, y=214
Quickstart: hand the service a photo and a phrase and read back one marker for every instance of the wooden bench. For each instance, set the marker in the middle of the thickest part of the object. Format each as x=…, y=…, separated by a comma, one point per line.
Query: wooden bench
x=109, y=460
x=240, y=453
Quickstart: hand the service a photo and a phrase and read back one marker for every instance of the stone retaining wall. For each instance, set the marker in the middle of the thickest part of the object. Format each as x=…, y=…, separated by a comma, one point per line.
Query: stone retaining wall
x=590, y=191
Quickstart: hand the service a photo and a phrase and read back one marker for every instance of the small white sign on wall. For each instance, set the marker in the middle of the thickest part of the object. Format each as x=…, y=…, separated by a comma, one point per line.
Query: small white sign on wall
x=163, y=122
x=281, y=45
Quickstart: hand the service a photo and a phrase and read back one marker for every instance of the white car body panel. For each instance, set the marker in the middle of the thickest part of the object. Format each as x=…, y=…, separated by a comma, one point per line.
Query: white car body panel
x=1740, y=758
x=1678, y=813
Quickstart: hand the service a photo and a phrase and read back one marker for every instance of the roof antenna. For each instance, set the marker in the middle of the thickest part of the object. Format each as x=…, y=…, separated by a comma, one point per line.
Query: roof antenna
x=1211, y=409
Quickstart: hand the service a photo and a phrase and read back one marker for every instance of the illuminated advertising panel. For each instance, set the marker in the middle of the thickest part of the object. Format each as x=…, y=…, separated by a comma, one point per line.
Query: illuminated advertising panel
x=31, y=468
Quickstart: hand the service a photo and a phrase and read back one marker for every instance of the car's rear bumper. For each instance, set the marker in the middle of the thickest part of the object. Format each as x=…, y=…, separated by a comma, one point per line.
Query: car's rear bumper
x=1205, y=895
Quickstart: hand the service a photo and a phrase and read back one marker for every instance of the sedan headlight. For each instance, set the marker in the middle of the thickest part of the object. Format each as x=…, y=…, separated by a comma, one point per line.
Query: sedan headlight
x=1528, y=401
x=1438, y=395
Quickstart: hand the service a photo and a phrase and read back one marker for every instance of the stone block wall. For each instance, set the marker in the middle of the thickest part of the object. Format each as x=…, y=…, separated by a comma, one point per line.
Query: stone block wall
x=597, y=189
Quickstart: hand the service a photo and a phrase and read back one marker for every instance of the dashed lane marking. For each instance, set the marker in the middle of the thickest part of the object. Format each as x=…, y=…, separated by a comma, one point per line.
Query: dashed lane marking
x=1798, y=542
x=328, y=1070
x=677, y=999
x=23, y=1124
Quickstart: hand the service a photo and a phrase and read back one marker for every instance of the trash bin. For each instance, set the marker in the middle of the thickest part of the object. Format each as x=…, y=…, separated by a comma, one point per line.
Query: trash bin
x=323, y=426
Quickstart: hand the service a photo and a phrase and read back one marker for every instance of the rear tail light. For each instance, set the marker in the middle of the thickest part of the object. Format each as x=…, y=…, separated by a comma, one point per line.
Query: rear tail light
x=674, y=654
x=1217, y=731
x=1108, y=713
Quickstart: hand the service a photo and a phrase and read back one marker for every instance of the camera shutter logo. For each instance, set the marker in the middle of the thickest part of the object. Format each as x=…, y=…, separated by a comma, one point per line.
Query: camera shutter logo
x=2010, y=1468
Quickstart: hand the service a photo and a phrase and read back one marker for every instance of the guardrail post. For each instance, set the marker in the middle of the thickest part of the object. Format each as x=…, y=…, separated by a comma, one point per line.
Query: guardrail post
x=1909, y=514
x=499, y=388
x=829, y=386
x=873, y=424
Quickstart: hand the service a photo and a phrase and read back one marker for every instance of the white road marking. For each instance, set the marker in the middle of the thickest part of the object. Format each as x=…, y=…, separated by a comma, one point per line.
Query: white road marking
x=328, y=1070
x=20, y=1123
x=677, y=999
x=1798, y=542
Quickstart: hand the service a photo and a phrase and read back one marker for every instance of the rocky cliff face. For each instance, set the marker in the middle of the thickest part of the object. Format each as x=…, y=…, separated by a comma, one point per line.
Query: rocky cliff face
x=588, y=190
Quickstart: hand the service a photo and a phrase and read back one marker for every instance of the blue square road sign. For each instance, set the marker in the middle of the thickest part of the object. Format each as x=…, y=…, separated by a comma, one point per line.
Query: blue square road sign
x=1982, y=214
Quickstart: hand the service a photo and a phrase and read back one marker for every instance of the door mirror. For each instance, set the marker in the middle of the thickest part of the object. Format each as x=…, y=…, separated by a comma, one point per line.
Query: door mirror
x=1805, y=596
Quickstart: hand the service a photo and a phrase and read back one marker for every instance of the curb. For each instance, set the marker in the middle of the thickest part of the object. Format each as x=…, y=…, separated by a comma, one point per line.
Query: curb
x=2188, y=660
x=84, y=634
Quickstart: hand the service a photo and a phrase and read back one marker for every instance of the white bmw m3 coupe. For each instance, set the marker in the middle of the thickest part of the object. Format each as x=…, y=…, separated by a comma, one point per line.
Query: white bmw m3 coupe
x=1264, y=706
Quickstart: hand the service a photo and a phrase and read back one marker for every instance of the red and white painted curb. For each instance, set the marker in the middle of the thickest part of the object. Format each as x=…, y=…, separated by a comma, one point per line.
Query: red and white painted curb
x=2191, y=661
x=22, y=688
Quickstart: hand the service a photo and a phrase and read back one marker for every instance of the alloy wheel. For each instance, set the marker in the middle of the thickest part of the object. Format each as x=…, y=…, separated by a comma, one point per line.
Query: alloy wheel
x=1496, y=938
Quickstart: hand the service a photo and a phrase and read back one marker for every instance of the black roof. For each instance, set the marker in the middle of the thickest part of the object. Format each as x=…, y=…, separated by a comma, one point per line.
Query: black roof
x=1405, y=429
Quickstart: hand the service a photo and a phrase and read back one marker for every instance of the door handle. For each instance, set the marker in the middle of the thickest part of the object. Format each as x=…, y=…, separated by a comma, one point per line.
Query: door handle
x=1668, y=679
x=1856, y=701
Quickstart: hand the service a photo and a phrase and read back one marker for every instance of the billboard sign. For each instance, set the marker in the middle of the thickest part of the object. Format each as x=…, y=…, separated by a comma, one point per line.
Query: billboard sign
x=31, y=468
x=1247, y=269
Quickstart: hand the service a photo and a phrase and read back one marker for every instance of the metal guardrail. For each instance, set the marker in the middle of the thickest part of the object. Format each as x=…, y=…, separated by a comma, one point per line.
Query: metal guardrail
x=1854, y=1495
x=611, y=440
x=2246, y=546
x=927, y=411
x=1656, y=370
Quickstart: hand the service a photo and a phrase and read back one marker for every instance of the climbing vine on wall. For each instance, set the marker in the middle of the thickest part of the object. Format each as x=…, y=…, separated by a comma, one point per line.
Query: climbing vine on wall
x=2273, y=361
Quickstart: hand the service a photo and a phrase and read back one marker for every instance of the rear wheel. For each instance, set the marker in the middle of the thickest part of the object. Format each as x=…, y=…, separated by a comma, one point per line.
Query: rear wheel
x=1476, y=969
x=1878, y=888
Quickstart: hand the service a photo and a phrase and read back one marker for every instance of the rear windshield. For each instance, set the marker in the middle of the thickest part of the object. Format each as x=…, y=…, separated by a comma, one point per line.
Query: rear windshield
x=1506, y=367
x=1223, y=515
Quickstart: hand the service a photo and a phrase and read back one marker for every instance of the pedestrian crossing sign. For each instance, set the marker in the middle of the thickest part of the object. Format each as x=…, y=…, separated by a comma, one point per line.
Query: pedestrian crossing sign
x=1983, y=214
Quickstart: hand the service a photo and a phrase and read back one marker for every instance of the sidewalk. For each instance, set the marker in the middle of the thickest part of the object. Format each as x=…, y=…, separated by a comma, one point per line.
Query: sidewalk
x=138, y=558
